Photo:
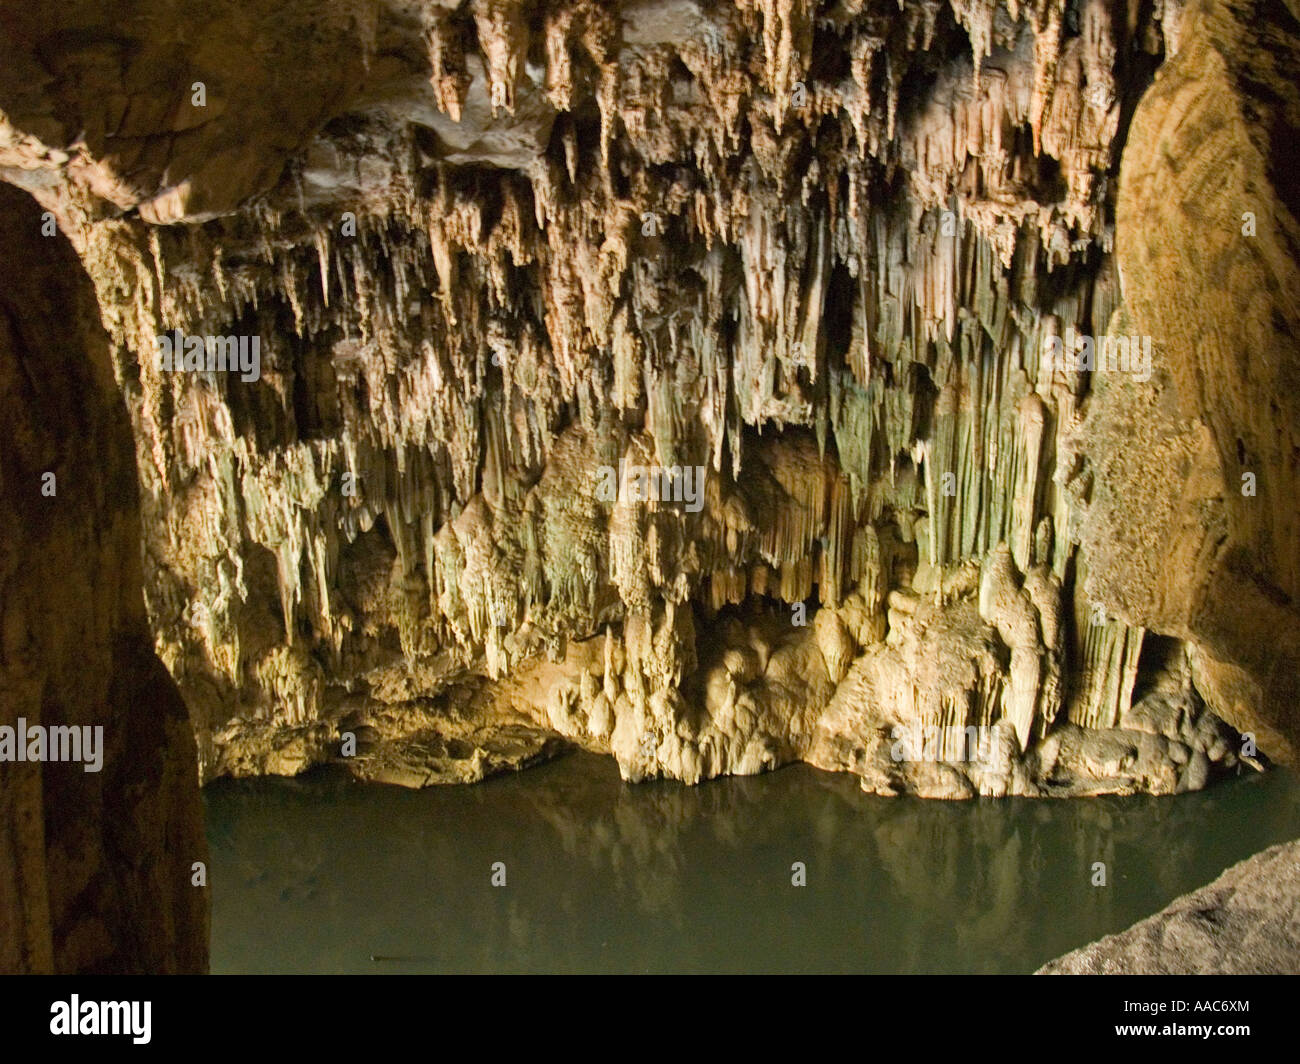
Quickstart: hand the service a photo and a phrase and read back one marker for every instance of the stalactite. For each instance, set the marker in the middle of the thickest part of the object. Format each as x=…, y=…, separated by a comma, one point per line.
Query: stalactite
x=829, y=300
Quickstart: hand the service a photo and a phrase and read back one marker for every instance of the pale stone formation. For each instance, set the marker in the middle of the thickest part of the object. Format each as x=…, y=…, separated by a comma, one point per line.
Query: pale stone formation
x=1209, y=251
x=1247, y=922
x=492, y=248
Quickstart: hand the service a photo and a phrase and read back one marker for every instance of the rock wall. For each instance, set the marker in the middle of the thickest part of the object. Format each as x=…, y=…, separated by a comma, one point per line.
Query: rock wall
x=501, y=257
x=1209, y=250
x=1244, y=923
x=95, y=866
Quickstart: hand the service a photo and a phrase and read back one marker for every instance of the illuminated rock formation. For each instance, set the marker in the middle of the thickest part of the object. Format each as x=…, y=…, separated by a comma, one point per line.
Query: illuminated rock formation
x=817, y=253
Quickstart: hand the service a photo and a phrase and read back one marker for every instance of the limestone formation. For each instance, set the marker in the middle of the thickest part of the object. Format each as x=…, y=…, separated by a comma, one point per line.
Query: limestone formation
x=1209, y=251
x=682, y=380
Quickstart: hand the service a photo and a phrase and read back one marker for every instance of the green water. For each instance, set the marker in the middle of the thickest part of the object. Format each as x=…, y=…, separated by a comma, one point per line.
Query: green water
x=319, y=874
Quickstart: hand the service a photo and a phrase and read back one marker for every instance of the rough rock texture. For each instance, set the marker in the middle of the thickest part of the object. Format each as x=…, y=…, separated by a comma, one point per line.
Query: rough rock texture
x=1247, y=922
x=492, y=248
x=1209, y=251
x=95, y=867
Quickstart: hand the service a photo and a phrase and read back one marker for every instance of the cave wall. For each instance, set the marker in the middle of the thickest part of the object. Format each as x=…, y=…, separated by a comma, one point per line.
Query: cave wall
x=818, y=252
x=1209, y=251
x=95, y=866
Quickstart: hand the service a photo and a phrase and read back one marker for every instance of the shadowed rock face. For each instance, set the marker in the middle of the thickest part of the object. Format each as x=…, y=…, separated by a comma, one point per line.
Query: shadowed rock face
x=95, y=866
x=835, y=265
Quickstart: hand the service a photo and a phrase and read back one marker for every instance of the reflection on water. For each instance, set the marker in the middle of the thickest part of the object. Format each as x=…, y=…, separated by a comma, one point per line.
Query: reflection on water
x=319, y=874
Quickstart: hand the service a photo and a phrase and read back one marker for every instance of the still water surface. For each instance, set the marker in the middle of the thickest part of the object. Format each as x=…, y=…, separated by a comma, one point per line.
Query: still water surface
x=320, y=874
